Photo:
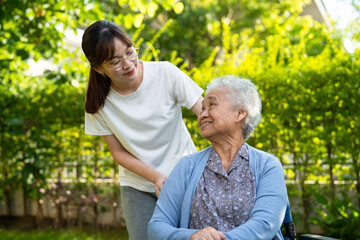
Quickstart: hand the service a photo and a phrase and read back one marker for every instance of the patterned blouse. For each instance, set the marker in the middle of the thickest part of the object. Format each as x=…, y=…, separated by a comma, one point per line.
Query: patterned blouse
x=224, y=200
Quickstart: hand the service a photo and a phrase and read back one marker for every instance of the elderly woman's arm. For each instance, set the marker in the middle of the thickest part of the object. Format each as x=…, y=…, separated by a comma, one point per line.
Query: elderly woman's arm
x=165, y=223
x=270, y=205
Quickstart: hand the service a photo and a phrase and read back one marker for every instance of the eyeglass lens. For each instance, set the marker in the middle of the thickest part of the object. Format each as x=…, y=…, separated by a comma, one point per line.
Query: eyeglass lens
x=120, y=63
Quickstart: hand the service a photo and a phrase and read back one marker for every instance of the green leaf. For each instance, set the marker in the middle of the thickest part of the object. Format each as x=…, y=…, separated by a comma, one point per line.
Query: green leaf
x=138, y=20
x=178, y=7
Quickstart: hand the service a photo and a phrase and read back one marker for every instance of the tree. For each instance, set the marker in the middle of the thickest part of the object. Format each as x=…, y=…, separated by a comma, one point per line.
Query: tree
x=308, y=84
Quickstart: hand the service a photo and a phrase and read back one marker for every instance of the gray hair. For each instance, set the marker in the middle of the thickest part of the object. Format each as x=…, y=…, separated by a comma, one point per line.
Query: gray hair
x=244, y=95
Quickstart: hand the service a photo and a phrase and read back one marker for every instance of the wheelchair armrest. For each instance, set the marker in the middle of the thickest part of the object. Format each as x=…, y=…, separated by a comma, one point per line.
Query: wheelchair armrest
x=315, y=237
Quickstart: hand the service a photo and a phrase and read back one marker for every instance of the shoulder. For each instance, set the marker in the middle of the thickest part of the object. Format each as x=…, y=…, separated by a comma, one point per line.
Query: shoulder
x=190, y=166
x=197, y=155
x=160, y=64
x=162, y=69
x=192, y=160
x=94, y=116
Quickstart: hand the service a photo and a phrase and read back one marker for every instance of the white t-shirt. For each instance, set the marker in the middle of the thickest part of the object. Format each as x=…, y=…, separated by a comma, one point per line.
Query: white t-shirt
x=148, y=122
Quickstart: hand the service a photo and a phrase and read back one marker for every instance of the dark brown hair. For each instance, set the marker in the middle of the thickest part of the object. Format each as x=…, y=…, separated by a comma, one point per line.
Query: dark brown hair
x=98, y=44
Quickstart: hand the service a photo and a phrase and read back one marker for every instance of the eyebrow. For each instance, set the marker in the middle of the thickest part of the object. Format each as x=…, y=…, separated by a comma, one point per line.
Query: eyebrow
x=211, y=98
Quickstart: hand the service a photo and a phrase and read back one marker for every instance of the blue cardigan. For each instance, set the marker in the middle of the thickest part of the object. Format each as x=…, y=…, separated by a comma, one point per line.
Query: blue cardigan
x=172, y=212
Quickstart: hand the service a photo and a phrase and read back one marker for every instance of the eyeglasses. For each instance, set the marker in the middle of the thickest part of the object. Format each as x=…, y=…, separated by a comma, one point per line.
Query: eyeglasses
x=131, y=55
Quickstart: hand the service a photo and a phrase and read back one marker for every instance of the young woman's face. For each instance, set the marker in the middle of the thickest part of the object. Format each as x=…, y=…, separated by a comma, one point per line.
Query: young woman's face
x=122, y=67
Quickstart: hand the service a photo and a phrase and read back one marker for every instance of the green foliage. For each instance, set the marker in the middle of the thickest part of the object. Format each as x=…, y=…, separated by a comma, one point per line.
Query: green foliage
x=308, y=84
x=332, y=221
x=62, y=235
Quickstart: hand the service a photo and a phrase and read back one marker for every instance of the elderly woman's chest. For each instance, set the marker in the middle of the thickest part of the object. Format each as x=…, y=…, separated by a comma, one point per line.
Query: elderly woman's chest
x=223, y=200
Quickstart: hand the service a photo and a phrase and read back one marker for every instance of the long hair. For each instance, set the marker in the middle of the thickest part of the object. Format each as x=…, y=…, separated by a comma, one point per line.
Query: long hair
x=98, y=44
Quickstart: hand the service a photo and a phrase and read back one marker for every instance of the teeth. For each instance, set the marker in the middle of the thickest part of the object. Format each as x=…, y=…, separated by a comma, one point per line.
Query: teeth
x=203, y=123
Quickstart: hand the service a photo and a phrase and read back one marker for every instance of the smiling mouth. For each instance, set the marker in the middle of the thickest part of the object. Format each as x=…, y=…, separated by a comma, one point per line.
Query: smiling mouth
x=204, y=123
x=131, y=72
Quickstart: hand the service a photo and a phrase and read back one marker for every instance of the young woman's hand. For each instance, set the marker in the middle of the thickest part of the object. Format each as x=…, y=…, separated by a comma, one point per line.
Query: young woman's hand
x=159, y=182
x=208, y=233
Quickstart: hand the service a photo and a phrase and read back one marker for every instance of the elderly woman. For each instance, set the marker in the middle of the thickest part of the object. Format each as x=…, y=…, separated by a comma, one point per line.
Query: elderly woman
x=229, y=190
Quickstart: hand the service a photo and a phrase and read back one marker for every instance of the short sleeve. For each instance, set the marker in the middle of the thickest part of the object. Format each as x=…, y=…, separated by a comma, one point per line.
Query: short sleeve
x=96, y=125
x=184, y=89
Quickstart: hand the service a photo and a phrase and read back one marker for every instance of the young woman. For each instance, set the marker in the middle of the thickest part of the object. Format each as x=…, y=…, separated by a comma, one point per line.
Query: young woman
x=136, y=107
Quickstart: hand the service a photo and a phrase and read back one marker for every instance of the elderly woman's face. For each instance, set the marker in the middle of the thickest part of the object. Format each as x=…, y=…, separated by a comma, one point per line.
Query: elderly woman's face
x=218, y=117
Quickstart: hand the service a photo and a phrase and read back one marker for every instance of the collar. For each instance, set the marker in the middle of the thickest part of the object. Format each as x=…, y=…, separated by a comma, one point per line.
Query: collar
x=214, y=163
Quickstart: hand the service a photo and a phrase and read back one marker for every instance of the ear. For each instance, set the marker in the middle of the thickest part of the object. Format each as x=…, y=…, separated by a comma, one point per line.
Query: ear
x=241, y=115
x=99, y=70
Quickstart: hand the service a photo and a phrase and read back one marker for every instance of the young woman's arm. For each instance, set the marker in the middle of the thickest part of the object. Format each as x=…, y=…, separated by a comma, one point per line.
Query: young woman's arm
x=130, y=162
x=197, y=106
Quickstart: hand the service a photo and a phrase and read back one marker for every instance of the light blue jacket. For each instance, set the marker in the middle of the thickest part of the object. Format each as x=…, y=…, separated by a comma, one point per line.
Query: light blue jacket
x=172, y=212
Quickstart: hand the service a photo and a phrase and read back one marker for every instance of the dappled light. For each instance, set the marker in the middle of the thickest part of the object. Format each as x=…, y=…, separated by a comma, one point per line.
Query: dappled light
x=309, y=86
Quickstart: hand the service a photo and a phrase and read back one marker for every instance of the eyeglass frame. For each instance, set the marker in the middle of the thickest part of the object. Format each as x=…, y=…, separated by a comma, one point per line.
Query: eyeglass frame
x=136, y=50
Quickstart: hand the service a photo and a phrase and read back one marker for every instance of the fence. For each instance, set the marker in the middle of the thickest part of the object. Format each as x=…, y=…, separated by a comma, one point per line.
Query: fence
x=74, y=207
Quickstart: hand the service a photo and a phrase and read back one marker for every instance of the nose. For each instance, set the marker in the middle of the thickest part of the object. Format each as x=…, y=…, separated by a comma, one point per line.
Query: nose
x=203, y=114
x=127, y=63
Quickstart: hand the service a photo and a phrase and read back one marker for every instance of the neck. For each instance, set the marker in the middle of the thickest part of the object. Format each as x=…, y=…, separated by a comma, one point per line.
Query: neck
x=125, y=88
x=227, y=150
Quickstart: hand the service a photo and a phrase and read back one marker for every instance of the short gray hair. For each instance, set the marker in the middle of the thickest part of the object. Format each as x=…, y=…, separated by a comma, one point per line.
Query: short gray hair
x=244, y=95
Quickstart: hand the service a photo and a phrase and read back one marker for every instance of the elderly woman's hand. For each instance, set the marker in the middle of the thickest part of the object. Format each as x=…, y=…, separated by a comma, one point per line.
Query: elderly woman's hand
x=208, y=233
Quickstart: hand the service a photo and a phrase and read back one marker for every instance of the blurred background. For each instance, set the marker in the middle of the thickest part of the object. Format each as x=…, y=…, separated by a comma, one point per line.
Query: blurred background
x=303, y=55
